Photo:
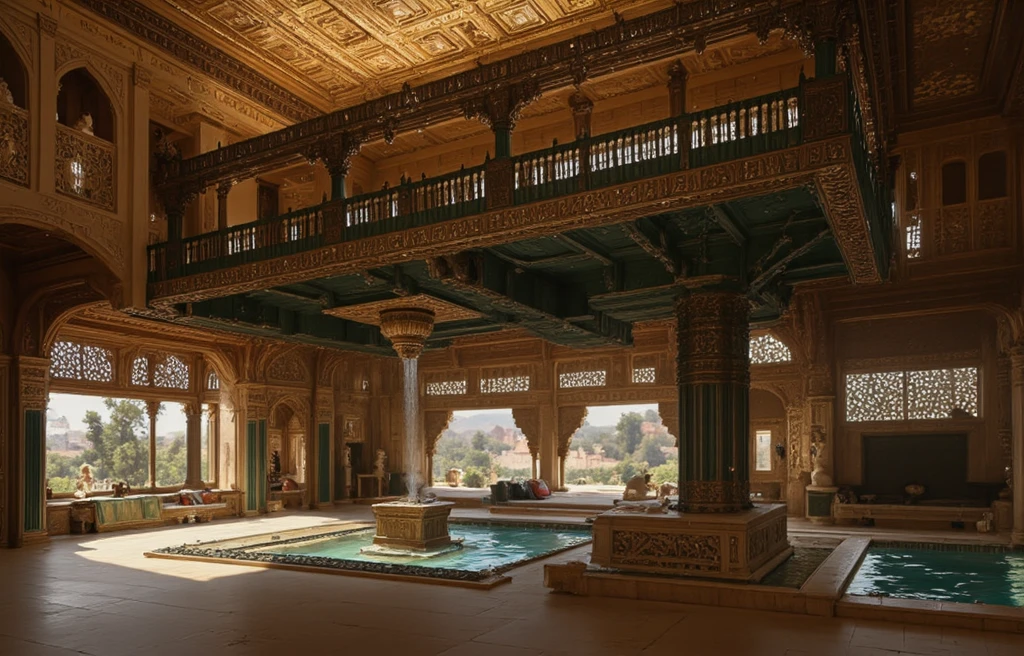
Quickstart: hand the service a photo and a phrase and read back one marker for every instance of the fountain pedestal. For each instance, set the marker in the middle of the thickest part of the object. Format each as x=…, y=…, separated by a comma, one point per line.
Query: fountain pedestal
x=405, y=526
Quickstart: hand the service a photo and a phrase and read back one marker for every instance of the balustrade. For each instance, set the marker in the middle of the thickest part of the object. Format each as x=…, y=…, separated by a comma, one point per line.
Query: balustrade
x=14, y=144
x=745, y=128
x=739, y=129
x=84, y=167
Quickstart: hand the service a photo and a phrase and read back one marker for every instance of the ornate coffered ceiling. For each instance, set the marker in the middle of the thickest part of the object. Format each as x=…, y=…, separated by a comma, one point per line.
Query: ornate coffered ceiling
x=345, y=52
x=935, y=61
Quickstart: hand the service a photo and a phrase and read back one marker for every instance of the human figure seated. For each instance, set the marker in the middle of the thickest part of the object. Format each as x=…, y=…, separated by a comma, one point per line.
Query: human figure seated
x=638, y=488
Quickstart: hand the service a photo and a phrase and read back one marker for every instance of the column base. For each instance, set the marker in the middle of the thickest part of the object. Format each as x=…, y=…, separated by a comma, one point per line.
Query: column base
x=742, y=546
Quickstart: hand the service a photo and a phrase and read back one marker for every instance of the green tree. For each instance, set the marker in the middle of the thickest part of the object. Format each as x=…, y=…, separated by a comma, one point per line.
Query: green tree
x=650, y=449
x=652, y=416
x=170, y=462
x=666, y=473
x=629, y=431
x=120, y=446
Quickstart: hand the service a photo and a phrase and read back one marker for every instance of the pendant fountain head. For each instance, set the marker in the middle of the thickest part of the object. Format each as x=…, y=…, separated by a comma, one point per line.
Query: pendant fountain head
x=408, y=329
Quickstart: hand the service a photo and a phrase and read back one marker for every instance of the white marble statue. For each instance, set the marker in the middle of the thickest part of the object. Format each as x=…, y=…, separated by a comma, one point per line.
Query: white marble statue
x=347, y=457
x=5, y=92
x=84, y=123
x=380, y=464
x=638, y=488
x=820, y=476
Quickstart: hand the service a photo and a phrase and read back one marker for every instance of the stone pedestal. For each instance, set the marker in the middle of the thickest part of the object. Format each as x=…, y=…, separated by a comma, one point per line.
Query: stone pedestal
x=819, y=503
x=413, y=526
x=741, y=546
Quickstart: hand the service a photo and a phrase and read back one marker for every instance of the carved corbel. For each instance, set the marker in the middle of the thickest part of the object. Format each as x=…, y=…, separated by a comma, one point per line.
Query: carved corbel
x=336, y=151
x=500, y=108
x=582, y=109
x=569, y=421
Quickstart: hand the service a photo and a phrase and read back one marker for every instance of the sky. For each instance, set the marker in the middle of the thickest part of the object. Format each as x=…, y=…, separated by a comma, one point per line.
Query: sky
x=597, y=415
x=74, y=407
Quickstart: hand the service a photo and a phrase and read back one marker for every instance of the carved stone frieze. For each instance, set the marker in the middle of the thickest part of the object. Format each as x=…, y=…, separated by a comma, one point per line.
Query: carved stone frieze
x=840, y=196
x=825, y=108
x=14, y=144
x=701, y=553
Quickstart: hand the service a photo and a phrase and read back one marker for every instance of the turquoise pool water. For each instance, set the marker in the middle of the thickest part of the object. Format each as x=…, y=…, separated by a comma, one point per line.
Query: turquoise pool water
x=986, y=577
x=484, y=547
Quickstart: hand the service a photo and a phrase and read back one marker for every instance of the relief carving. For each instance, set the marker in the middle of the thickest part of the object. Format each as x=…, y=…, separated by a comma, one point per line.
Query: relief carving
x=667, y=550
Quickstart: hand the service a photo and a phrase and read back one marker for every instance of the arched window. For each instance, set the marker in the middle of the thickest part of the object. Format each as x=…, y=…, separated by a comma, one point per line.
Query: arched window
x=992, y=175
x=767, y=349
x=14, y=76
x=82, y=105
x=14, y=118
x=954, y=183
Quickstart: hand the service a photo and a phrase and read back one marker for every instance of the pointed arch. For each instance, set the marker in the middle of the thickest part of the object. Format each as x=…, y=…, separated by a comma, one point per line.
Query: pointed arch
x=82, y=88
x=15, y=66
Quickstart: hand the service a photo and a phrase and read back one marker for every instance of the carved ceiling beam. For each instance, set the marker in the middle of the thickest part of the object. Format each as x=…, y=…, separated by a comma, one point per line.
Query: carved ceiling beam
x=658, y=252
x=725, y=222
x=499, y=108
x=543, y=306
x=633, y=42
x=589, y=252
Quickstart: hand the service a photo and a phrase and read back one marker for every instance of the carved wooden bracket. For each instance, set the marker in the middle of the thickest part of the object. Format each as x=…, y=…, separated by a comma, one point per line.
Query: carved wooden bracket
x=500, y=107
x=336, y=151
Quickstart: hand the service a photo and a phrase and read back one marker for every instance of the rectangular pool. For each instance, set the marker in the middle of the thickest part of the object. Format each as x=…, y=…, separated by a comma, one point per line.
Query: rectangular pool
x=487, y=550
x=968, y=575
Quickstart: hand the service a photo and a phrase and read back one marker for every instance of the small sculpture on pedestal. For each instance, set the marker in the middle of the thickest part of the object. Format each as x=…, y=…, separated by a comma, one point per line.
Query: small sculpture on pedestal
x=638, y=488
x=820, y=475
x=84, y=123
x=85, y=482
x=347, y=466
x=380, y=464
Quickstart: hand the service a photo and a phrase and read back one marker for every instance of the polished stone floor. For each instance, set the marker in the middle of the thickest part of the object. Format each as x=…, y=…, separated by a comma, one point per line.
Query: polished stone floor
x=98, y=595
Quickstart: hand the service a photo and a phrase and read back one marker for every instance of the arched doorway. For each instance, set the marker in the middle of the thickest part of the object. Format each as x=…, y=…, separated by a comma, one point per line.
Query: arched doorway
x=767, y=446
x=45, y=276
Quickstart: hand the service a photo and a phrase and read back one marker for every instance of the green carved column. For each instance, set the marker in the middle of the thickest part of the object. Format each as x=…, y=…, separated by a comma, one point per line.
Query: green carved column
x=713, y=374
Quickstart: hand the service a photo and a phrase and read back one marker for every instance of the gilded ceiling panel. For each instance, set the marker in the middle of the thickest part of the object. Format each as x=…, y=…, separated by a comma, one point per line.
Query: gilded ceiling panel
x=369, y=313
x=950, y=41
x=353, y=49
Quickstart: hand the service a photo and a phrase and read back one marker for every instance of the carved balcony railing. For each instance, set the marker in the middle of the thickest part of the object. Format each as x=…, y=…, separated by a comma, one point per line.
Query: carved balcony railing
x=14, y=144
x=875, y=190
x=741, y=129
x=84, y=167
x=746, y=128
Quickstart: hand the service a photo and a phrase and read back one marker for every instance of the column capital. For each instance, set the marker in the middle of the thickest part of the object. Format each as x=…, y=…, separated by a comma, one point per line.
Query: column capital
x=500, y=108
x=336, y=151
x=153, y=408
x=224, y=188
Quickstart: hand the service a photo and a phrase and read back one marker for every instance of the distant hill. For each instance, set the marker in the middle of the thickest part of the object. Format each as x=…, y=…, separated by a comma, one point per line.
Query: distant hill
x=485, y=421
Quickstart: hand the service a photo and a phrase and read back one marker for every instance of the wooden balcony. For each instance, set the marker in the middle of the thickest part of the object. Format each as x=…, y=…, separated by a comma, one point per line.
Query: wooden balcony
x=804, y=145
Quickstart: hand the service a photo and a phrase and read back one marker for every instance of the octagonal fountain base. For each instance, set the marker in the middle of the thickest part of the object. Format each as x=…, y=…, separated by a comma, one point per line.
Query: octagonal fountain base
x=410, y=529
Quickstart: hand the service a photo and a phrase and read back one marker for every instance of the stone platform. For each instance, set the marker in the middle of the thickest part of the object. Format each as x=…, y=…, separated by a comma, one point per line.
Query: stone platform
x=741, y=546
x=406, y=526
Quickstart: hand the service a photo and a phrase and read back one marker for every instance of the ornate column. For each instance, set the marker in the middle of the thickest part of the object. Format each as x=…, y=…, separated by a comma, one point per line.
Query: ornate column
x=139, y=158
x=193, y=445
x=1017, y=441
x=251, y=455
x=336, y=152
x=677, y=76
x=153, y=409
x=528, y=421
x=582, y=110
x=7, y=411
x=713, y=374
x=323, y=453
x=569, y=421
x=223, y=189
x=500, y=110
x=212, y=445
x=43, y=117
x=28, y=455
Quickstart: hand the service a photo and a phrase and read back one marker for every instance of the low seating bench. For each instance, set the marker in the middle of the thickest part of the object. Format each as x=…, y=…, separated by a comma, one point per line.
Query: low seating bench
x=105, y=514
x=853, y=512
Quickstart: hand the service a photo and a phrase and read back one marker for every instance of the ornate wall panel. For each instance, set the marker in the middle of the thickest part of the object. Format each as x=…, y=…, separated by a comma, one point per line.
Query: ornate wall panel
x=85, y=169
x=14, y=144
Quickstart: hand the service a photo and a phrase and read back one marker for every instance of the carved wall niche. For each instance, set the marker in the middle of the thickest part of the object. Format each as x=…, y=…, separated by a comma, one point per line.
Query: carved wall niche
x=288, y=368
x=955, y=193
